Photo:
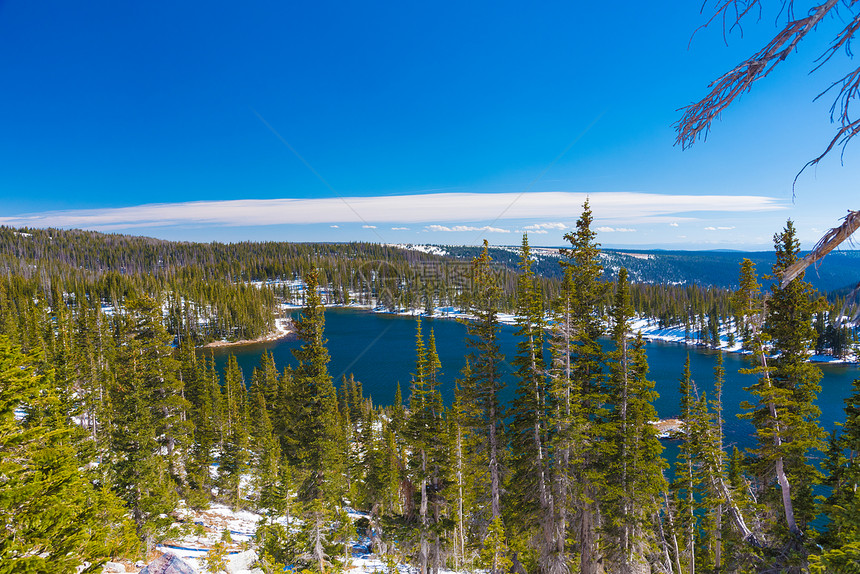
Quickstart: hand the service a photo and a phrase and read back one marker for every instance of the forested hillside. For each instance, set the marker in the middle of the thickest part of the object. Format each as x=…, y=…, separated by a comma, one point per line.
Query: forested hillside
x=838, y=272
x=105, y=426
x=233, y=291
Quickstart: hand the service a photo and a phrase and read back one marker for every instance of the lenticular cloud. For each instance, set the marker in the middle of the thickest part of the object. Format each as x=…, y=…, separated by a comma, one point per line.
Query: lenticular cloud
x=424, y=208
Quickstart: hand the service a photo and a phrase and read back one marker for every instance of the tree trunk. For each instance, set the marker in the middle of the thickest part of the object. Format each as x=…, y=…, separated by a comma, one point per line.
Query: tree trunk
x=423, y=550
x=782, y=479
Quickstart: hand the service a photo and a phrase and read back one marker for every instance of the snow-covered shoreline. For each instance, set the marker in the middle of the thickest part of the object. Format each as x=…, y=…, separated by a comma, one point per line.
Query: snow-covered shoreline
x=651, y=331
x=282, y=329
x=649, y=327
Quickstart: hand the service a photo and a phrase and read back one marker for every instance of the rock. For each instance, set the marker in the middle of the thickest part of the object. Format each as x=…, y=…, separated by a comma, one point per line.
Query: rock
x=241, y=563
x=113, y=568
x=168, y=564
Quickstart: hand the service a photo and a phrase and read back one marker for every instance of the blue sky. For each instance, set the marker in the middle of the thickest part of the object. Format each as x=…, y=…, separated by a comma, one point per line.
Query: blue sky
x=406, y=122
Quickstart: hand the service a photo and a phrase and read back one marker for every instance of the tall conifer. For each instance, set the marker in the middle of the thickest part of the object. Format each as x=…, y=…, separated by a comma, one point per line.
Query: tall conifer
x=316, y=419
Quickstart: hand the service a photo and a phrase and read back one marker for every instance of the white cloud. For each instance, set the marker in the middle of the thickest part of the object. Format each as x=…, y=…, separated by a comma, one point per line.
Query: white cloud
x=538, y=226
x=719, y=228
x=486, y=228
x=335, y=226
x=399, y=229
x=623, y=207
x=368, y=226
x=533, y=231
x=616, y=230
x=673, y=224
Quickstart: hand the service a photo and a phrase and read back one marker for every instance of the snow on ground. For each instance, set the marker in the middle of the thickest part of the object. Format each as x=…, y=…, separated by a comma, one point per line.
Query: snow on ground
x=651, y=331
x=199, y=530
x=432, y=249
x=649, y=328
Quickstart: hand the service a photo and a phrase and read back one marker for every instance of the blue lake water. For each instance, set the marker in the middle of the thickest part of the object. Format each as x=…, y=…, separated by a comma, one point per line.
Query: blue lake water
x=379, y=349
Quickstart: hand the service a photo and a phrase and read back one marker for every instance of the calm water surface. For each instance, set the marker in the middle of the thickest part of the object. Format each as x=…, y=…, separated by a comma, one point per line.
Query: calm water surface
x=379, y=349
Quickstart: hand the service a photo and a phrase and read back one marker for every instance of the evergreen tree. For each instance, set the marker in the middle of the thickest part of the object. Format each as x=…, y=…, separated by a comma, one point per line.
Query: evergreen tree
x=55, y=519
x=234, y=449
x=147, y=403
x=579, y=388
x=789, y=327
x=316, y=419
x=264, y=447
x=840, y=551
x=486, y=377
x=635, y=478
x=425, y=432
x=531, y=505
x=686, y=479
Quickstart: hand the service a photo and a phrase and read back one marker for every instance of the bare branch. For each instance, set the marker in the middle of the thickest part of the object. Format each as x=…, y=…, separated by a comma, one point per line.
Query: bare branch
x=824, y=246
x=723, y=10
x=697, y=118
x=842, y=39
x=849, y=91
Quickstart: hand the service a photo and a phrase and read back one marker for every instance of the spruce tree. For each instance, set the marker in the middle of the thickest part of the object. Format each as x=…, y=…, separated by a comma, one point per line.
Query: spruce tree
x=316, y=416
x=789, y=327
x=686, y=478
x=234, y=451
x=840, y=543
x=785, y=416
x=635, y=475
x=146, y=401
x=55, y=519
x=486, y=362
x=425, y=432
x=531, y=506
x=578, y=384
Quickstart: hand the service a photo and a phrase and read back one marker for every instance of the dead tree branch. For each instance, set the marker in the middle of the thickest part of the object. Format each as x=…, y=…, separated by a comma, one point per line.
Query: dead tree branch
x=825, y=245
x=697, y=118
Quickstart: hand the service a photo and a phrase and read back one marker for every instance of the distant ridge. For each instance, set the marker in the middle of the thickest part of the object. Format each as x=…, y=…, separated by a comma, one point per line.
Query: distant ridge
x=713, y=268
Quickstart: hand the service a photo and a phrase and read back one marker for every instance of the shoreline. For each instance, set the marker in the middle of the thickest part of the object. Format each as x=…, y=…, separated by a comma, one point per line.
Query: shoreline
x=647, y=326
x=282, y=330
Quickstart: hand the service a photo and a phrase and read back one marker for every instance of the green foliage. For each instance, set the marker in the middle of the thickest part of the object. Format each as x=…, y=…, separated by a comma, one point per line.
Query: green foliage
x=55, y=517
x=214, y=559
x=494, y=554
x=316, y=414
x=484, y=415
x=146, y=419
x=277, y=544
x=634, y=481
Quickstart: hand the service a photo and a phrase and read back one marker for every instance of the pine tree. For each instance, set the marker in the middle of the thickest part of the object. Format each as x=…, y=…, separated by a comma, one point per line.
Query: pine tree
x=531, y=504
x=635, y=478
x=466, y=466
x=785, y=416
x=686, y=479
x=265, y=448
x=789, y=327
x=841, y=540
x=494, y=555
x=579, y=388
x=425, y=432
x=234, y=450
x=486, y=376
x=146, y=404
x=316, y=421
x=55, y=520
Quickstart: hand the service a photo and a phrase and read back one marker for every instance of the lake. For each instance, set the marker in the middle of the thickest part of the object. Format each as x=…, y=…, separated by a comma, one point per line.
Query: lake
x=379, y=349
